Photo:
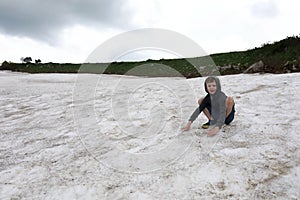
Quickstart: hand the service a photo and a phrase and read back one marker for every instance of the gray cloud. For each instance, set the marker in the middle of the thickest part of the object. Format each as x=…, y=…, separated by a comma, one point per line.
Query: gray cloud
x=265, y=9
x=44, y=19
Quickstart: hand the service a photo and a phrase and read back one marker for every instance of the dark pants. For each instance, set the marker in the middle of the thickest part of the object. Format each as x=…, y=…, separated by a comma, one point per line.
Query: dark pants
x=230, y=117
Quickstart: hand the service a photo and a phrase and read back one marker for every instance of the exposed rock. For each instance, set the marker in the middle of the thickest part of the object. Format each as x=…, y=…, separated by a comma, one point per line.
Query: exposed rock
x=256, y=67
x=291, y=67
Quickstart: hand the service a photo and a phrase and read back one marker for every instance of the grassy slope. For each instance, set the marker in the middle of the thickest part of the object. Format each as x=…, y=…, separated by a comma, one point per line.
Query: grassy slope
x=274, y=55
x=277, y=58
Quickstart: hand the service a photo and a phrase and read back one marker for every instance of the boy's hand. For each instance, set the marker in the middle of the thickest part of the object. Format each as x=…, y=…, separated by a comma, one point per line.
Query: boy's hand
x=212, y=131
x=187, y=127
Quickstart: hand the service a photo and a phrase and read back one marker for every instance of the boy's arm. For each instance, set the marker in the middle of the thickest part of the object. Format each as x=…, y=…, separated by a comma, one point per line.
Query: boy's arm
x=221, y=119
x=192, y=118
x=222, y=116
x=195, y=114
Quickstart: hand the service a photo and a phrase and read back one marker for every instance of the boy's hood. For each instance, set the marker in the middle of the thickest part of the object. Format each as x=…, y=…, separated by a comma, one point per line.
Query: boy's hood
x=218, y=85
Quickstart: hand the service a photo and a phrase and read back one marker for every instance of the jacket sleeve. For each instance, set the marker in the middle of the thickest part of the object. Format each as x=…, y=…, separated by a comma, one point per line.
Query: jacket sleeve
x=195, y=114
x=201, y=107
x=222, y=116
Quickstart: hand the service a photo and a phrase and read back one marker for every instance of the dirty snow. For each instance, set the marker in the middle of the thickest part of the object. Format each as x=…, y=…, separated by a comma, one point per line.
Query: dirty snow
x=69, y=136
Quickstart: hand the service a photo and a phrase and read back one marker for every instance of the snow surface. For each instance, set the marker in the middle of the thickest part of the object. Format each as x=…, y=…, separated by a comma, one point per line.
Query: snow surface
x=69, y=136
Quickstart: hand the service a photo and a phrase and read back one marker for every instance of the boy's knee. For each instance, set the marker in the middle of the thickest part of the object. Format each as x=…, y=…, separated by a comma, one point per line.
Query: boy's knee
x=200, y=101
x=229, y=101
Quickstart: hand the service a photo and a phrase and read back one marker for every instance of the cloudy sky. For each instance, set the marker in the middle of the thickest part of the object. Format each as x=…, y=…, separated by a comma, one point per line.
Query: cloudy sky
x=69, y=30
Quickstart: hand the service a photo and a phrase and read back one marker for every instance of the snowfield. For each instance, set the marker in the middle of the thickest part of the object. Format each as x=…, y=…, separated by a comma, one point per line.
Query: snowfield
x=70, y=136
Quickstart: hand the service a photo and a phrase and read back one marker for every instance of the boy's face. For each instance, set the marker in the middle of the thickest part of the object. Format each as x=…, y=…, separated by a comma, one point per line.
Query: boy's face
x=211, y=87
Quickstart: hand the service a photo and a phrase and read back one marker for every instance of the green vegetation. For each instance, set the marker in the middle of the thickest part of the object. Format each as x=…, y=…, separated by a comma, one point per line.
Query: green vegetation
x=278, y=57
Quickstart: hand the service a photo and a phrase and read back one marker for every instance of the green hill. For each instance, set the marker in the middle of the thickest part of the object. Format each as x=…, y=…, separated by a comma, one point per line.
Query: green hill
x=278, y=57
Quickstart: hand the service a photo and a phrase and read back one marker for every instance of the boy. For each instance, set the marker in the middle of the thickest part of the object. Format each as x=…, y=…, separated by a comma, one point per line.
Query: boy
x=217, y=107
